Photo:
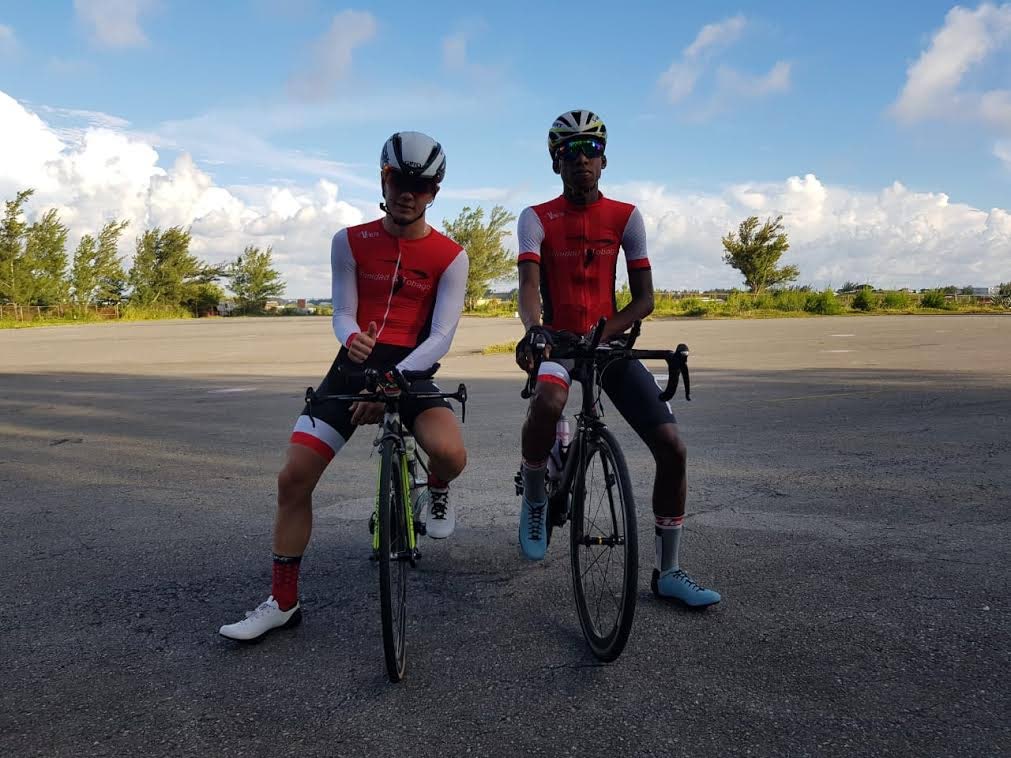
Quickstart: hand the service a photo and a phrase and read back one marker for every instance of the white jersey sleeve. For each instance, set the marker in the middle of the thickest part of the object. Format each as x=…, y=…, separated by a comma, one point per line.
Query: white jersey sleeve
x=530, y=236
x=446, y=312
x=343, y=288
x=633, y=242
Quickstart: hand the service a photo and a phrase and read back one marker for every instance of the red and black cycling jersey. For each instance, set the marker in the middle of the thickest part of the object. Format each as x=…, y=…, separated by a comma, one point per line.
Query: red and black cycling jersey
x=412, y=289
x=577, y=249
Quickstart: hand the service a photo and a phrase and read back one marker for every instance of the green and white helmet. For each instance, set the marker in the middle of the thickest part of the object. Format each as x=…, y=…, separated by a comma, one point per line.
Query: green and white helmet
x=573, y=124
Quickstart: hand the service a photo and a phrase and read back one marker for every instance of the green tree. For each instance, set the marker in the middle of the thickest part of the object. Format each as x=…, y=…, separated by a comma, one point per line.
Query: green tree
x=83, y=280
x=755, y=252
x=204, y=298
x=97, y=277
x=865, y=300
x=45, y=261
x=109, y=274
x=12, y=240
x=254, y=280
x=489, y=260
x=165, y=272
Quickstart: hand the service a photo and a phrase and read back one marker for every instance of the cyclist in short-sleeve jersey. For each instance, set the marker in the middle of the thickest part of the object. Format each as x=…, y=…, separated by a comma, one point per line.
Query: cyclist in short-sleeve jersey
x=568, y=260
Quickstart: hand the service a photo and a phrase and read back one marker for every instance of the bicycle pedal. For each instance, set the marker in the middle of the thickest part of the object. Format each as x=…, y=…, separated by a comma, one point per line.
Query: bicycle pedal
x=420, y=528
x=518, y=481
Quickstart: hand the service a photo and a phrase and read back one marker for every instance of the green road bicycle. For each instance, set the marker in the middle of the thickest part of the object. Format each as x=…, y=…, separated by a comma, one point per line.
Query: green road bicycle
x=394, y=525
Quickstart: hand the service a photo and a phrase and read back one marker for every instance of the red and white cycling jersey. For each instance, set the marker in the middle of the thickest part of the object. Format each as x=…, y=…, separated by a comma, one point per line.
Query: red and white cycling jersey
x=413, y=289
x=577, y=249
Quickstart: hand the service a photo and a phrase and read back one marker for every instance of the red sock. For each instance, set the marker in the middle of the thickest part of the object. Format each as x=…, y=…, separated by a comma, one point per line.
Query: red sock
x=284, y=586
x=436, y=483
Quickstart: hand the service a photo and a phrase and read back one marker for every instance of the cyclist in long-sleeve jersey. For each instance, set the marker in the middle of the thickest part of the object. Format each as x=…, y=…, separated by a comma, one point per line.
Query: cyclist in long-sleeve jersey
x=398, y=290
x=568, y=256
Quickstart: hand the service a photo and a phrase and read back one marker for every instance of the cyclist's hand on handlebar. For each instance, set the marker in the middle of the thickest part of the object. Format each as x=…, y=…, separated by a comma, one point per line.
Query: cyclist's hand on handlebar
x=537, y=341
x=363, y=343
x=363, y=414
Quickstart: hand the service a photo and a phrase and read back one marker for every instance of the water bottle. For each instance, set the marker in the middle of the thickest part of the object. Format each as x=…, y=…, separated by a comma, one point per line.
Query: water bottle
x=563, y=437
x=411, y=450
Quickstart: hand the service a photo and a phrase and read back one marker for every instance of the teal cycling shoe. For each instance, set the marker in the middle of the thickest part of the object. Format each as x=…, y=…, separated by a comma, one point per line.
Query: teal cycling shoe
x=534, y=529
x=675, y=584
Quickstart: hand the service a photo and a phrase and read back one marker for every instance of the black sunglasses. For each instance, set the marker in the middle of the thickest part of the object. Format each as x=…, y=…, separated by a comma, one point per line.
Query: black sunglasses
x=591, y=148
x=414, y=185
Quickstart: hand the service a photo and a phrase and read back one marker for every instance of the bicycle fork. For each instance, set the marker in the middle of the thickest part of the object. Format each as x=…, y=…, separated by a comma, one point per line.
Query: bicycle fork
x=405, y=497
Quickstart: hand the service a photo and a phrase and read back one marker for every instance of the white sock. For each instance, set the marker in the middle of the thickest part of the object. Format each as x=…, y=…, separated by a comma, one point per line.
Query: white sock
x=668, y=542
x=533, y=481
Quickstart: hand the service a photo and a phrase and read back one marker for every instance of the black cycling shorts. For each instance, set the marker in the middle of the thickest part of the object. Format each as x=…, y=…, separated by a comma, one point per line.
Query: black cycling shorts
x=330, y=427
x=634, y=391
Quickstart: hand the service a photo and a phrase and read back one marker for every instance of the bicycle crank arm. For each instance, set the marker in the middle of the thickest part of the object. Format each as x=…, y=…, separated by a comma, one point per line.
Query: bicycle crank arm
x=601, y=541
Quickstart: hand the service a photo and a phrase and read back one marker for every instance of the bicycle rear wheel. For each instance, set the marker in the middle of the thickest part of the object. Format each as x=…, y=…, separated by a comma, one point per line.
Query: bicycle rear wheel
x=604, y=546
x=393, y=565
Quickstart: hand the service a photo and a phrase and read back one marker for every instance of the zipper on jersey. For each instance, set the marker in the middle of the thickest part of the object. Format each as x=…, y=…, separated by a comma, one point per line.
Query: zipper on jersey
x=393, y=286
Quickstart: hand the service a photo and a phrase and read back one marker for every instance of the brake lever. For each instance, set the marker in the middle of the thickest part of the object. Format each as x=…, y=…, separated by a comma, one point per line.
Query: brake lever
x=310, y=397
x=677, y=368
x=539, y=345
x=633, y=335
x=461, y=397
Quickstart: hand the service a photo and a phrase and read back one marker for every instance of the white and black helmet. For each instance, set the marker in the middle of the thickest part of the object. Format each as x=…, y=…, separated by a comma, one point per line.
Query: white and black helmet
x=415, y=155
x=573, y=124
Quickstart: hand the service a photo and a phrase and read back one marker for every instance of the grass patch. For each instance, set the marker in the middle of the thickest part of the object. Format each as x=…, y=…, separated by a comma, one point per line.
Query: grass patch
x=153, y=312
x=499, y=348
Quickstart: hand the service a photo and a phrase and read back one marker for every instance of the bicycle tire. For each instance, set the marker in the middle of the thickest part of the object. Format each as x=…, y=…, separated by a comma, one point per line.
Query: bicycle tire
x=606, y=641
x=393, y=540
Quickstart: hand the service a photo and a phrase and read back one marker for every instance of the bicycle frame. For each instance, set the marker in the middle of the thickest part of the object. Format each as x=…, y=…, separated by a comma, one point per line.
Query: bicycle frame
x=391, y=429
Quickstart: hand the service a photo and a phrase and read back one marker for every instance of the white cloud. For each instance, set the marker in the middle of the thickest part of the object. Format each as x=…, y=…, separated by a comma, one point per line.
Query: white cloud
x=733, y=82
x=933, y=82
x=332, y=54
x=679, y=80
x=682, y=77
x=721, y=34
x=8, y=41
x=114, y=23
x=1003, y=151
x=102, y=173
x=892, y=237
x=935, y=86
x=455, y=58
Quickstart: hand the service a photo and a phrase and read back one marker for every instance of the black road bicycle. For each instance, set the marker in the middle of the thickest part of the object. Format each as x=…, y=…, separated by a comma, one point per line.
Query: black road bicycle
x=594, y=490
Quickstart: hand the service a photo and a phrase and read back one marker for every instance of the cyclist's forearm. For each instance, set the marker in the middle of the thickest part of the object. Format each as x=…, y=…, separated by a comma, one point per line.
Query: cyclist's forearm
x=622, y=320
x=530, y=295
x=445, y=317
x=640, y=282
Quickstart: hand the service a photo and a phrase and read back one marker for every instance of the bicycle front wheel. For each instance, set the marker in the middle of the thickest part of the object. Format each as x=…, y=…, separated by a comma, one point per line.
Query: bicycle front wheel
x=604, y=546
x=393, y=560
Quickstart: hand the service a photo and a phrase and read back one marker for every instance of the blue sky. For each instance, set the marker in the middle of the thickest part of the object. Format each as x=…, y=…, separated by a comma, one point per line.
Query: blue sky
x=714, y=111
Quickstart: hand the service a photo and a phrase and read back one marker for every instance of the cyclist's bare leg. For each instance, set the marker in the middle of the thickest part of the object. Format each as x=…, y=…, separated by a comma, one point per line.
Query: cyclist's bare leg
x=438, y=433
x=546, y=407
x=295, y=484
x=670, y=487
